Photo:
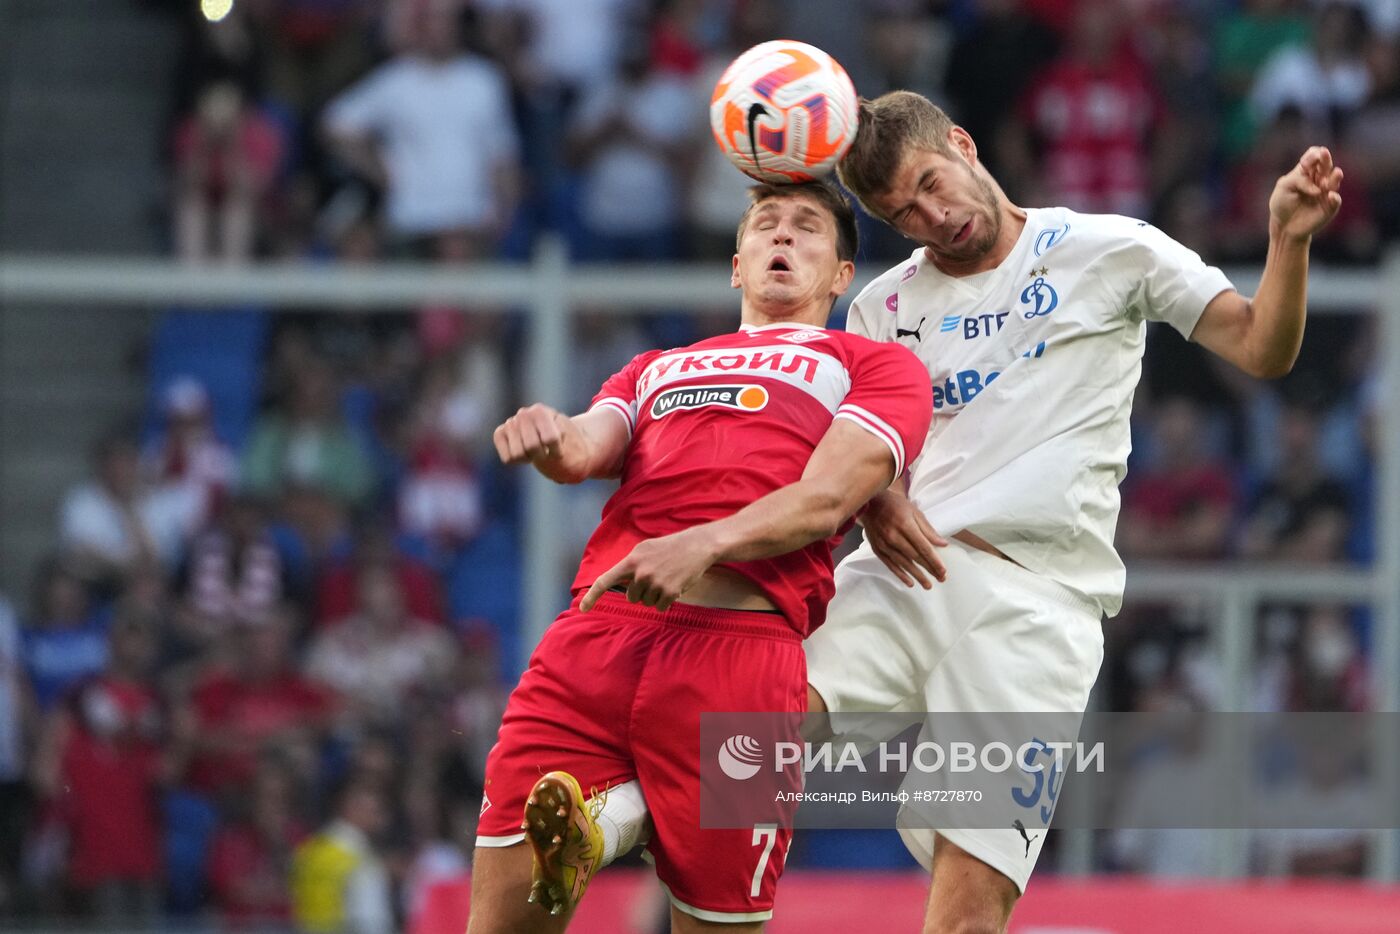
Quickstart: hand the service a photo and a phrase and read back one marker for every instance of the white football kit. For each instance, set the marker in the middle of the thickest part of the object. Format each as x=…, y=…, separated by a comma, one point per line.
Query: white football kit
x=1034, y=365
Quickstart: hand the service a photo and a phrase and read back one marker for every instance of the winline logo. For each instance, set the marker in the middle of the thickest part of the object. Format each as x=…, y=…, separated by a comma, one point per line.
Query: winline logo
x=747, y=398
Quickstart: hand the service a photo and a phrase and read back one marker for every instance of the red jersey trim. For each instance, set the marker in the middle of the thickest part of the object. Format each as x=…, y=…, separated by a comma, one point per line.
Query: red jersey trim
x=620, y=407
x=878, y=427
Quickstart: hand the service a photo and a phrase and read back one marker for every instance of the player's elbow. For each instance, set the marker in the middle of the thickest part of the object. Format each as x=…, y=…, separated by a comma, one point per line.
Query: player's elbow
x=1271, y=366
x=826, y=511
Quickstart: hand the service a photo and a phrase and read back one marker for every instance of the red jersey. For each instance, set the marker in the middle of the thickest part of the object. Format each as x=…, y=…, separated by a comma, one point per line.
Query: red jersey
x=721, y=423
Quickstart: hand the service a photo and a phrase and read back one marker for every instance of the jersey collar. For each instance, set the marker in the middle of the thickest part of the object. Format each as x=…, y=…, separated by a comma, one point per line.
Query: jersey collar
x=780, y=326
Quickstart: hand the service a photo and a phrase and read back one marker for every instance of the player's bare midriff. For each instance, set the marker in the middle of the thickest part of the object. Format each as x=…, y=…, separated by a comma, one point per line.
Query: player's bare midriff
x=723, y=589
x=981, y=544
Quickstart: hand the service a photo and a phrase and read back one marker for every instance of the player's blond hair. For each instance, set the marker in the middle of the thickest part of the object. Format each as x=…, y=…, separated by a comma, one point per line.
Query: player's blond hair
x=888, y=127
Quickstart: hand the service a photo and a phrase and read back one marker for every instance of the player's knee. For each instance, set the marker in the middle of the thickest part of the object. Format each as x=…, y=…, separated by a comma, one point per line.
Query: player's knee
x=815, y=703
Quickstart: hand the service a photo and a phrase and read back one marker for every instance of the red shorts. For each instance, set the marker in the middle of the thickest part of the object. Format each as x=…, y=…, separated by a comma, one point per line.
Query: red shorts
x=615, y=695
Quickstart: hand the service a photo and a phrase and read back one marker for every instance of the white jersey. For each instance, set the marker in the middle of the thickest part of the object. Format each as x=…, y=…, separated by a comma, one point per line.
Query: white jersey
x=1034, y=365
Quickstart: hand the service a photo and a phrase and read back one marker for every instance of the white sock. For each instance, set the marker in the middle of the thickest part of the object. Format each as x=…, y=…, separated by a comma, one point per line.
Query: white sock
x=624, y=819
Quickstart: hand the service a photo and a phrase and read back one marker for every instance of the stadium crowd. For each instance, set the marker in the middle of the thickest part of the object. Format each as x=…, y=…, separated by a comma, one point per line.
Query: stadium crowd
x=273, y=641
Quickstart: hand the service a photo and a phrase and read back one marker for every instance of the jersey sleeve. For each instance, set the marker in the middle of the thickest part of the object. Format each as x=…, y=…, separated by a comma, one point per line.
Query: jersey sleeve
x=865, y=317
x=1176, y=284
x=890, y=397
x=619, y=391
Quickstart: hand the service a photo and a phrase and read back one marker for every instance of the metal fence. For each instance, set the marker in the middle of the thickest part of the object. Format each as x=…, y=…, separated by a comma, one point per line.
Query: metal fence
x=549, y=290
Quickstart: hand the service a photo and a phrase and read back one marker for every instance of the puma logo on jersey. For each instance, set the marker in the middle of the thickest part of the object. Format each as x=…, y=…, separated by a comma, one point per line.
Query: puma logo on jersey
x=905, y=332
x=748, y=398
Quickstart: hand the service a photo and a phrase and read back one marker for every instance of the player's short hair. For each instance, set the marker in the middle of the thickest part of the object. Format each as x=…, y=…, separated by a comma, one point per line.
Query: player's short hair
x=825, y=194
x=888, y=127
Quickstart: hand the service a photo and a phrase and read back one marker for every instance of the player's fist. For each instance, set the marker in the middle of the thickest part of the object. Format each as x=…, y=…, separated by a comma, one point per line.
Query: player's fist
x=1308, y=197
x=533, y=432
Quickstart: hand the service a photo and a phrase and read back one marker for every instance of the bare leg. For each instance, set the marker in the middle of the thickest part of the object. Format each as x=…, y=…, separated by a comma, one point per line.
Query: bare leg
x=500, y=887
x=237, y=228
x=191, y=227
x=682, y=923
x=966, y=895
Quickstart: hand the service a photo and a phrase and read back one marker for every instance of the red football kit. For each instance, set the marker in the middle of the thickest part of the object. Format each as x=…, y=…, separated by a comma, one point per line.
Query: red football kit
x=616, y=694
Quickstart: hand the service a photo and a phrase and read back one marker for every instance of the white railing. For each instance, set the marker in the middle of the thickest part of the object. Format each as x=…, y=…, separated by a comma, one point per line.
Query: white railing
x=549, y=288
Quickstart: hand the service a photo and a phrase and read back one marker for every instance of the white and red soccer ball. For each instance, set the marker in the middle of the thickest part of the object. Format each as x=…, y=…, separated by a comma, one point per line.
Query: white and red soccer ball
x=784, y=112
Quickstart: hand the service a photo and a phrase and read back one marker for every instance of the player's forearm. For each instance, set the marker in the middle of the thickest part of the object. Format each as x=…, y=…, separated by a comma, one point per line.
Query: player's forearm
x=1279, y=307
x=785, y=520
x=583, y=453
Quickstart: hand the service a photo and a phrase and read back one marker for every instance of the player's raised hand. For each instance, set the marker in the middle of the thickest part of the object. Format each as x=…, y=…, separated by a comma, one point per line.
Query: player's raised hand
x=658, y=570
x=903, y=539
x=1309, y=196
x=539, y=435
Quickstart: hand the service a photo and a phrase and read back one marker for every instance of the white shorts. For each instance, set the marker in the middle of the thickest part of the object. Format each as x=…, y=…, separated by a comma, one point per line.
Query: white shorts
x=994, y=637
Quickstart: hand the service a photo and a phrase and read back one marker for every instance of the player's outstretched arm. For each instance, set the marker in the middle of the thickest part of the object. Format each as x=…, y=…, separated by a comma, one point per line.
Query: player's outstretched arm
x=848, y=466
x=564, y=449
x=1262, y=335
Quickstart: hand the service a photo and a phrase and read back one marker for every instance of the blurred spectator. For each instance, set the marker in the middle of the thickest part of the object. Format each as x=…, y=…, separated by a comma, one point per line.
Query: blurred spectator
x=234, y=574
x=677, y=39
x=381, y=655
x=16, y=726
x=1244, y=39
x=1329, y=788
x=1372, y=139
x=312, y=48
x=1182, y=504
x=187, y=453
x=259, y=702
x=1325, y=79
x=1178, y=762
x=718, y=193
x=991, y=63
x=114, y=522
x=1327, y=672
x=908, y=49
x=434, y=853
x=1179, y=50
x=432, y=127
x=65, y=639
x=227, y=155
x=478, y=700
x=1300, y=513
x=100, y=765
x=554, y=51
x=1087, y=122
x=338, y=592
x=306, y=442
x=440, y=497
x=250, y=862
x=1244, y=233
x=340, y=884
x=631, y=142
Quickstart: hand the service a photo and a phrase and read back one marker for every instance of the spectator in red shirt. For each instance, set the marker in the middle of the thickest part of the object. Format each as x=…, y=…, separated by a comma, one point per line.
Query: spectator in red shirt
x=100, y=766
x=1181, y=506
x=226, y=160
x=338, y=593
x=1086, y=123
x=260, y=702
x=250, y=862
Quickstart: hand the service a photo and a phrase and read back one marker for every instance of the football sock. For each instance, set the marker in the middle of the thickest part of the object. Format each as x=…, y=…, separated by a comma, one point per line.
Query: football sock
x=624, y=820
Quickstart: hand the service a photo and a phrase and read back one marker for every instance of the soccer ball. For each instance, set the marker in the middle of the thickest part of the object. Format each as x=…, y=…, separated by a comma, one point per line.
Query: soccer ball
x=784, y=111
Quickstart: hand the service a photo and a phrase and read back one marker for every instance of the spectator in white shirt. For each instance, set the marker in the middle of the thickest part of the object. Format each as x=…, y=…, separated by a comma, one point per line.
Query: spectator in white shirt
x=113, y=523
x=433, y=128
